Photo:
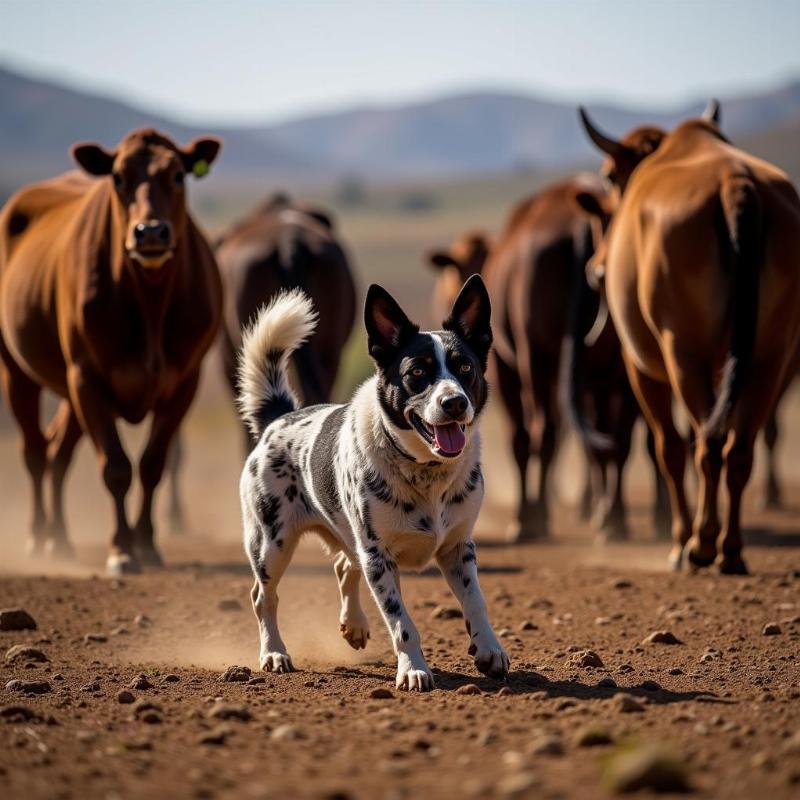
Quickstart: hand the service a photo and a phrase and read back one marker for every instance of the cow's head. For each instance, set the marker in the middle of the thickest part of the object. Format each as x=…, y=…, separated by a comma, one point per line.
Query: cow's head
x=148, y=173
x=464, y=258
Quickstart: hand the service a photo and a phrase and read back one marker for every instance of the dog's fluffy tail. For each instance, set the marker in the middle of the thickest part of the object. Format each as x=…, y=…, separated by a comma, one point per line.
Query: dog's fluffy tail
x=278, y=330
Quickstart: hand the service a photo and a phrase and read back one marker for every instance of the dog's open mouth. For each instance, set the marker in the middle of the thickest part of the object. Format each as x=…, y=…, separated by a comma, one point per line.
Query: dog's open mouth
x=448, y=439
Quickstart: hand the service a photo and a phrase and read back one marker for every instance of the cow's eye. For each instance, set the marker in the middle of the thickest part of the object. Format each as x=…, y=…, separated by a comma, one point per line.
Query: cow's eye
x=465, y=368
x=417, y=372
x=179, y=179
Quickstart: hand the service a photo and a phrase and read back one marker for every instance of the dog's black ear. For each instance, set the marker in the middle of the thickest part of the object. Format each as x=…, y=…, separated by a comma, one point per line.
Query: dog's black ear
x=471, y=317
x=388, y=328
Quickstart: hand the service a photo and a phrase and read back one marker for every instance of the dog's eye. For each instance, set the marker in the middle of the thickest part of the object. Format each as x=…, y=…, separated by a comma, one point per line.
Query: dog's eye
x=465, y=368
x=417, y=372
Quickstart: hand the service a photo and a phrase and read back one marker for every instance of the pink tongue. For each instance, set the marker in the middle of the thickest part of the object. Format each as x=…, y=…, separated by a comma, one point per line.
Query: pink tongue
x=449, y=438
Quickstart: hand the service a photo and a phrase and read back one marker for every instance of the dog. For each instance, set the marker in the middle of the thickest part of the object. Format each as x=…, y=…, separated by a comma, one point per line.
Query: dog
x=389, y=481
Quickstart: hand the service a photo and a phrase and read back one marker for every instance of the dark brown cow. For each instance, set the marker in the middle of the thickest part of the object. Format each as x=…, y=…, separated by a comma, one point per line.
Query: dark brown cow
x=700, y=268
x=536, y=276
x=282, y=245
x=109, y=297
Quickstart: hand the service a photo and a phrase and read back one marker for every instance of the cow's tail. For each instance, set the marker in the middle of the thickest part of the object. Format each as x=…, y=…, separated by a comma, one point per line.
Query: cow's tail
x=582, y=301
x=744, y=239
x=296, y=263
x=279, y=329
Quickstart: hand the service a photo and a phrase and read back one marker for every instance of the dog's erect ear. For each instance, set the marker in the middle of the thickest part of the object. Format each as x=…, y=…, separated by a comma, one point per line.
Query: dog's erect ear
x=388, y=328
x=471, y=317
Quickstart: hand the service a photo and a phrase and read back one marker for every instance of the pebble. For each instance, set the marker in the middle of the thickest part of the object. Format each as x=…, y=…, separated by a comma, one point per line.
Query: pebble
x=19, y=714
x=646, y=767
x=150, y=717
x=142, y=620
x=469, y=688
x=16, y=619
x=505, y=691
x=771, y=629
x=528, y=626
x=21, y=652
x=607, y=682
x=650, y=686
x=585, y=659
x=518, y=784
x=222, y=710
x=95, y=637
x=627, y=704
x=92, y=686
x=141, y=683
x=236, y=674
x=446, y=612
x=257, y=680
x=29, y=687
x=547, y=745
x=171, y=678
x=287, y=732
x=592, y=736
x=621, y=583
x=125, y=697
x=662, y=637
x=381, y=693
x=229, y=604
x=216, y=736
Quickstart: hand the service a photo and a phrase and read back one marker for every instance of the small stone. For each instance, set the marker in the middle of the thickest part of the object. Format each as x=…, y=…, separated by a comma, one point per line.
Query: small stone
x=505, y=691
x=142, y=620
x=95, y=637
x=125, y=697
x=19, y=714
x=771, y=629
x=151, y=717
x=21, y=652
x=446, y=612
x=607, y=682
x=593, y=736
x=137, y=744
x=92, y=686
x=585, y=659
x=675, y=671
x=141, y=683
x=662, y=637
x=120, y=630
x=216, y=736
x=517, y=784
x=381, y=693
x=546, y=745
x=469, y=688
x=257, y=680
x=528, y=626
x=235, y=674
x=621, y=583
x=171, y=678
x=287, y=732
x=143, y=706
x=650, y=686
x=16, y=619
x=222, y=710
x=646, y=767
x=229, y=604
x=627, y=704
x=29, y=687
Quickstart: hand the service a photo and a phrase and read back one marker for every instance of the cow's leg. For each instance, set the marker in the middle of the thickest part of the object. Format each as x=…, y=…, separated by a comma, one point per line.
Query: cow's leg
x=167, y=417
x=177, y=516
x=543, y=433
x=586, y=498
x=63, y=435
x=88, y=395
x=661, y=511
x=23, y=396
x=772, y=488
x=738, y=455
x=702, y=549
x=353, y=622
x=655, y=399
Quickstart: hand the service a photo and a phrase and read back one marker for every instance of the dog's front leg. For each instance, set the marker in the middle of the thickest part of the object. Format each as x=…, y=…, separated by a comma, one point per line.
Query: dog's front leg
x=460, y=569
x=381, y=575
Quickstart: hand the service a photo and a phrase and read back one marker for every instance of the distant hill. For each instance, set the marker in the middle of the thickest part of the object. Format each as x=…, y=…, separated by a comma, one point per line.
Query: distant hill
x=456, y=136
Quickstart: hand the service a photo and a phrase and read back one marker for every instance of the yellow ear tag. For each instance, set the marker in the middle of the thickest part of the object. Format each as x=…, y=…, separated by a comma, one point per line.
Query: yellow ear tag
x=200, y=168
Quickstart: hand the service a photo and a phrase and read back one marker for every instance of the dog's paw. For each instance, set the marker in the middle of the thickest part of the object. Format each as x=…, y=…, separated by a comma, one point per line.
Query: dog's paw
x=413, y=677
x=276, y=662
x=491, y=659
x=355, y=632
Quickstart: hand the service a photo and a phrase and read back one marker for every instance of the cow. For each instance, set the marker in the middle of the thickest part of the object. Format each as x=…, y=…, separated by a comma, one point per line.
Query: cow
x=109, y=297
x=281, y=245
x=536, y=278
x=465, y=257
x=700, y=270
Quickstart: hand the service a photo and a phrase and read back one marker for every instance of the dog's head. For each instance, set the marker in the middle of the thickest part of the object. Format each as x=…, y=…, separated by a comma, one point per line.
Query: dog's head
x=432, y=384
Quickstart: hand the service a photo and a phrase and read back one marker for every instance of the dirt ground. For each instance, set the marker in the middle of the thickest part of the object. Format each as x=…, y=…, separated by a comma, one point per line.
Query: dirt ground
x=723, y=704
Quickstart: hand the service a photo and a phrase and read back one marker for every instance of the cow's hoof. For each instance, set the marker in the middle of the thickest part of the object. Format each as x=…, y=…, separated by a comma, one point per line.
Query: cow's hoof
x=732, y=565
x=59, y=550
x=698, y=555
x=675, y=559
x=149, y=556
x=122, y=564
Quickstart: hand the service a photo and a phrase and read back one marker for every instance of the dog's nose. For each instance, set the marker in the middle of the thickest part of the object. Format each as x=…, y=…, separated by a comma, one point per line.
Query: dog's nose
x=454, y=405
x=152, y=233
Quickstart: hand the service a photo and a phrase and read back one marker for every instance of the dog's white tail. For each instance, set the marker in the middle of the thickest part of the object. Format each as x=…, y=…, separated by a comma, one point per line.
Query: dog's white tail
x=278, y=330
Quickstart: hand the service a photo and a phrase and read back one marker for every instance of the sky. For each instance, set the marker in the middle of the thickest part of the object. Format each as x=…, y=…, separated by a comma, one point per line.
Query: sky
x=244, y=61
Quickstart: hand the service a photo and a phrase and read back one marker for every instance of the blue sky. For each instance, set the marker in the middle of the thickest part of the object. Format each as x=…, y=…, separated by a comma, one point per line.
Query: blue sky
x=247, y=61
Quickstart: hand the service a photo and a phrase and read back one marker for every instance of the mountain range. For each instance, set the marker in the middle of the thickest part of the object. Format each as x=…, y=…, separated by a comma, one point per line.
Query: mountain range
x=459, y=135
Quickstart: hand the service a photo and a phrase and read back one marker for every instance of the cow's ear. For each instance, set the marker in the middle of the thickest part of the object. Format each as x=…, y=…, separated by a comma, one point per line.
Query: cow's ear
x=200, y=154
x=93, y=158
x=589, y=203
x=440, y=260
x=388, y=328
x=471, y=317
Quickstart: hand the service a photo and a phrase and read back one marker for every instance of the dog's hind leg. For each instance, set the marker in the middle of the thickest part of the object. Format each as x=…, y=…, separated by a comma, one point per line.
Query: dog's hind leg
x=460, y=569
x=353, y=621
x=269, y=556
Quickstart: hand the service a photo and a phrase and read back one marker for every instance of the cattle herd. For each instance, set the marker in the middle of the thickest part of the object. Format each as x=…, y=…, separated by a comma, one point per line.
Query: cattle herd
x=667, y=282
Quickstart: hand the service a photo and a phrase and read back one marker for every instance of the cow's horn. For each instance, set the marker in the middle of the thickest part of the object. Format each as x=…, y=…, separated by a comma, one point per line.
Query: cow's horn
x=605, y=143
x=712, y=111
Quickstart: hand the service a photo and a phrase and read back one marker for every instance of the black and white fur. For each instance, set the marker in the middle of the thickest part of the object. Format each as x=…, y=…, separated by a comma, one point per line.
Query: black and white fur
x=368, y=476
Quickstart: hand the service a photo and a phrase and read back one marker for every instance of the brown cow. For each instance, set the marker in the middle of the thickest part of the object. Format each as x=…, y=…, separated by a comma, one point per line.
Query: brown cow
x=536, y=276
x=700, y=267
x=282, y=245
x=109, y=297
